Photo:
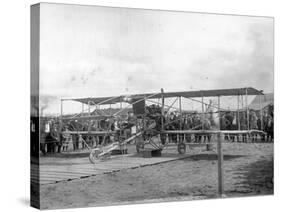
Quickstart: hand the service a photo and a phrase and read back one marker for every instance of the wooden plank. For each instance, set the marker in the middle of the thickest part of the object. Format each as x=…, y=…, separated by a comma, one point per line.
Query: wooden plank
x=55, y=173
x=53, y=178
x=63, y=172
x=43, y=182
x=68, y=174
x=78, y=171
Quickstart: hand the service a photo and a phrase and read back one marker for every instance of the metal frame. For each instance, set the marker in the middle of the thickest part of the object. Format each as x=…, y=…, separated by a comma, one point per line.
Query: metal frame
x=148, y=98
x=177, y=132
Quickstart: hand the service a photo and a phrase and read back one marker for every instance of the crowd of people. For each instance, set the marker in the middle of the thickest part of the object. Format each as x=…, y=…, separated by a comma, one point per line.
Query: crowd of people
x=229, y=120
x=51, y=141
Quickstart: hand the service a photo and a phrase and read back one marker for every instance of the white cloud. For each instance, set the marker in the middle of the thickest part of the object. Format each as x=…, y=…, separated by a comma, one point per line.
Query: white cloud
x=97, y=51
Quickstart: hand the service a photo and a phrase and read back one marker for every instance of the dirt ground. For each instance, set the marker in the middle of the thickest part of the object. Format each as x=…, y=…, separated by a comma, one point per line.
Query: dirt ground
x=248, y=170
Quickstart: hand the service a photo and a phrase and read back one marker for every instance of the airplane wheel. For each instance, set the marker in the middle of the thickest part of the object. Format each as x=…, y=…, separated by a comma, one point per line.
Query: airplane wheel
x=94, y=156
x=181, y=148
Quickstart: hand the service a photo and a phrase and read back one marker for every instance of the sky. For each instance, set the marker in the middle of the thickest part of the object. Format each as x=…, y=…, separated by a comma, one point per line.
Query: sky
x=88, y=51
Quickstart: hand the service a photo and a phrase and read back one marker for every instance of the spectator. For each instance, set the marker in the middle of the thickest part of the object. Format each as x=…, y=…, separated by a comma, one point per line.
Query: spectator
x=75, y=142
x=243, y=125
x=207, y=126
x=253, y=120
x=229, y=121
x=270, y=128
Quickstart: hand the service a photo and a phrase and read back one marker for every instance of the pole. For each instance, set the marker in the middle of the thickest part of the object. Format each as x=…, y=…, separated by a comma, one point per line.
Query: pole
x=220, y=165
x=261, y=118
x=89, y=114
x=180, y=113
x=238, y=117
x=89, y=109
x=247, y=110
x=162, y=136
x=219, y=112
x=162, y=109
x=61, y=108
x=242, y=104
x=220, y=158
x=180, y=137
x=203, y=117
x=61, y=113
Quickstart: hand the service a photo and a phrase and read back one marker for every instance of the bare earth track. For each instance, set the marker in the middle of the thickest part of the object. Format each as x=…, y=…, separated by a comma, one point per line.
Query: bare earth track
x=248, y=170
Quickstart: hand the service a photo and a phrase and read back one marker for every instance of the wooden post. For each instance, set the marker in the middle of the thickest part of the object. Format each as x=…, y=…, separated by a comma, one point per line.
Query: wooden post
x=180, y=136
x=89, y=114
x=61, y=122
x=220, y=165
x=261, y=115
x=242, y=102
x=203, y=116
x=219, y=112
x=238, y=118
x=82, y=113
x=61, y=108
x=180, y=113
x=220, y=158
x=162, y=109
x=247, y=110
x=89, y=109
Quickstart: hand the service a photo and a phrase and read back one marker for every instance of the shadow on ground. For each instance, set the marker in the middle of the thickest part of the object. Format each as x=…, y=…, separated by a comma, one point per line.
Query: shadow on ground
x=211, y=157
x=259, y=176
x=203, y=156
x=67, y=155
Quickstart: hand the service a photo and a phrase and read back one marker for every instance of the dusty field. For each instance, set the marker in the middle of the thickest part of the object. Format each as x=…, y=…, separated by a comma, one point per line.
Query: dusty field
x=248, y=170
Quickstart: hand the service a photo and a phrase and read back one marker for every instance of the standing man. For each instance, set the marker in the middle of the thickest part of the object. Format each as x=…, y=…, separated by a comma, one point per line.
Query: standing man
x=243, y=125
x=229, y=121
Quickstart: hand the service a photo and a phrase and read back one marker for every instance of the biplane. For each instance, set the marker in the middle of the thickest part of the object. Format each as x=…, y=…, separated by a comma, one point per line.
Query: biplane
x=150, y=122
